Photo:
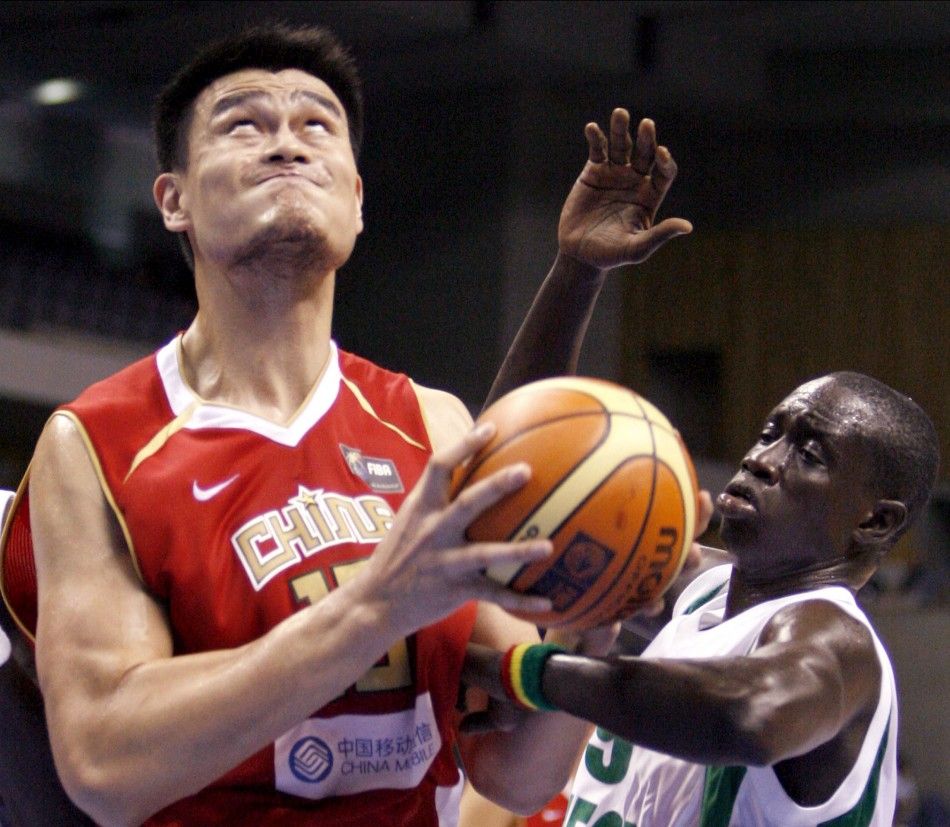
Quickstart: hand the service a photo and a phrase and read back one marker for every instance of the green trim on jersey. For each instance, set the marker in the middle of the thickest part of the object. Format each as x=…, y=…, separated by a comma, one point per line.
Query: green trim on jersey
x=703, y=599
x=720, y=790
x=861, y=813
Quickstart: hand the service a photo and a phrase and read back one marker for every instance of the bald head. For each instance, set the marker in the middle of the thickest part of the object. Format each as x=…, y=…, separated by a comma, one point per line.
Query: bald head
x=900, y=438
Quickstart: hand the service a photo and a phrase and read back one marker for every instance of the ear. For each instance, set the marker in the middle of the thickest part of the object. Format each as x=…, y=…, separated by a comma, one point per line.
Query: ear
x=359, y=204
x=168, y=198
x=886, y=520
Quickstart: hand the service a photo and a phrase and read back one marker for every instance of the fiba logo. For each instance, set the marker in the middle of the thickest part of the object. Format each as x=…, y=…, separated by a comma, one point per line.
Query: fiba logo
x=310, y=760
x=354, y=459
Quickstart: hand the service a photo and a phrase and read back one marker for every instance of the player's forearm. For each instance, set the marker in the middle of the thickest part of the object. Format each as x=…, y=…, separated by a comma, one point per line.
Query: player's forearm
x=548, y=343
x=722, y=711
x=522, y=770
x=168, y=727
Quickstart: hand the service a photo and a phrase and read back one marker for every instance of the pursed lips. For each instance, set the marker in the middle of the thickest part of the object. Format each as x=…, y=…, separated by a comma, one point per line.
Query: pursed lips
x=316, y=173
x=737, y=497
x=284, y=175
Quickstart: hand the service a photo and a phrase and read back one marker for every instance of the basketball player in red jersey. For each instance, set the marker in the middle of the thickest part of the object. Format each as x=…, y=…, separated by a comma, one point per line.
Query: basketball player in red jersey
x=254, y=594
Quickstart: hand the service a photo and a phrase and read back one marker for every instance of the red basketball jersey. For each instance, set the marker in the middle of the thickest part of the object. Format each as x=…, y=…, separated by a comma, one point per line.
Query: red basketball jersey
x=234, y=523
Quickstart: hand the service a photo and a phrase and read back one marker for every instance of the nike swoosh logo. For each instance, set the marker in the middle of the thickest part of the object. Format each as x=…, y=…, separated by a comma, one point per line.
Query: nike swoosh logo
x=204, y=494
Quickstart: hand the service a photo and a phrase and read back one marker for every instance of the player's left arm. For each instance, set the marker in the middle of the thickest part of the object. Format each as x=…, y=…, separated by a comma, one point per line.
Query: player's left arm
x=524, y=759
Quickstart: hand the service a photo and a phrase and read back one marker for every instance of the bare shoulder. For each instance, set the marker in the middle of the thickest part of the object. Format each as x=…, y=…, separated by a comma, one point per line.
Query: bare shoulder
x=823, y=631
x=62, y=473
x=447, y=418
x=820, y=621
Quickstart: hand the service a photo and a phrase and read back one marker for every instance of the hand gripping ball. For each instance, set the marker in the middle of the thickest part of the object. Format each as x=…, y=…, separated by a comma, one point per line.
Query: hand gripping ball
x=612, y=486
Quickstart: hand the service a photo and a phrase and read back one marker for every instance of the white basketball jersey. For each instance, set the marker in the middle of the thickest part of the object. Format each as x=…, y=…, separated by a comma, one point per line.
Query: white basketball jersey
x=619, y=784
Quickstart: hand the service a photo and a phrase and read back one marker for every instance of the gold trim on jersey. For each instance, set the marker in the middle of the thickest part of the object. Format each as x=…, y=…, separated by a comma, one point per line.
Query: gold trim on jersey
x=7, y=522
x=154, y=445
x=366, y=406
x=106, y=491
x=104, y=485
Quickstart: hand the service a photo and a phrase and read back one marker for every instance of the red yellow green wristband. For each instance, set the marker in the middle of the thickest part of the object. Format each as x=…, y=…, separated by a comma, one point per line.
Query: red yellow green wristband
x=521, y=669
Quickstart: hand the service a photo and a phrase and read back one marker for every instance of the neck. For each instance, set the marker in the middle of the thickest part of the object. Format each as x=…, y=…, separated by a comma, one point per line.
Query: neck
x=259, y=343
x=747, y=590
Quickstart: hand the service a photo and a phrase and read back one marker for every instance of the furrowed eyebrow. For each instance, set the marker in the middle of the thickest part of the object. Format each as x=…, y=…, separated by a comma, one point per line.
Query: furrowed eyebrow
x=320, y=100
x=240, y=98
x=805, y=424
x=234, y=100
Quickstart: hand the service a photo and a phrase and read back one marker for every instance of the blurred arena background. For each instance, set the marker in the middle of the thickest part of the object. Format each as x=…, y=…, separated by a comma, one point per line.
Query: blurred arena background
x=814, y=155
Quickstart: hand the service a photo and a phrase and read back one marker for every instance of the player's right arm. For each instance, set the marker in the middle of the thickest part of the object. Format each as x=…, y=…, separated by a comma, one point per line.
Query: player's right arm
x=608, y=220
x=813, y=676
x=134, y=728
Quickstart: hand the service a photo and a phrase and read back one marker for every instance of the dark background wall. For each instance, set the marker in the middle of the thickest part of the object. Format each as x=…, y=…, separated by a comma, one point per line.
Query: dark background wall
x=812, y=140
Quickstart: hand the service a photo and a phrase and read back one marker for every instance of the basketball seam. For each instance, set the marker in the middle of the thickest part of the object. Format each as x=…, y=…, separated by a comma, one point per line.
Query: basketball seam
x=592, y=493
x=643, y=525
x=474, y=466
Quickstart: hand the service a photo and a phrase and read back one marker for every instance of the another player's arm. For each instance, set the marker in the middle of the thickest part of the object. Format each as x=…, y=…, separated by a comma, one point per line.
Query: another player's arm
x=813, y=672
x=134, y=728
x=607, y=221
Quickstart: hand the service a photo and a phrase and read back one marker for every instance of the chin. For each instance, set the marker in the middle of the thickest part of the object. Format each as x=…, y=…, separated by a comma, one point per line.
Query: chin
x=288, y=247
x=738, y=535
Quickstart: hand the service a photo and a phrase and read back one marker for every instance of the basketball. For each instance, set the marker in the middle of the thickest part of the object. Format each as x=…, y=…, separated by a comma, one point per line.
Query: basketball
x=612, y=486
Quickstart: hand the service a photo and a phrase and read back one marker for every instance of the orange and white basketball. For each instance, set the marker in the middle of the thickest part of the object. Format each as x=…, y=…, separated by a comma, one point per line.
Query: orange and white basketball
x=612, y=486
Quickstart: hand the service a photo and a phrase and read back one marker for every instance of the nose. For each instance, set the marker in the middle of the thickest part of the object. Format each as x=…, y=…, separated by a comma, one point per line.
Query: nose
x=286, y=147
x=764, y=462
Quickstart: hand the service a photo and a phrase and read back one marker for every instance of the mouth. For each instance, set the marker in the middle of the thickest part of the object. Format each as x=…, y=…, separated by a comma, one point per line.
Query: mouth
x=316, y=174
x=284, y=176
x=737, y=500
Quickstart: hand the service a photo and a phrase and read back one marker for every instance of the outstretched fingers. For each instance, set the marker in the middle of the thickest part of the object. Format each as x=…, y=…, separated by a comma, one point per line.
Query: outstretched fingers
x=481, y=495
x=621, y=143
x=664, y=173
x=596, y=143
x=646, y=147
x=434, y=485
x=642, y=245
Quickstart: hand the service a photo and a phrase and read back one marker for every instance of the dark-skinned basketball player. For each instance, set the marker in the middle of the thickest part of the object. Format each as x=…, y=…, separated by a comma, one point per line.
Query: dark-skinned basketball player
x=239, y=620
x=767, y=699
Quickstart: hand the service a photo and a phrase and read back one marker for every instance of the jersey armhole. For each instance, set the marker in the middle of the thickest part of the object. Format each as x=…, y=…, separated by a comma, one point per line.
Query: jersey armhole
x=104, y=486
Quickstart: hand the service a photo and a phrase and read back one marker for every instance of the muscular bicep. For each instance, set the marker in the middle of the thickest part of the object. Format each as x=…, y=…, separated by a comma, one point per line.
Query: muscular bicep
x=95, y=619
x=818, y=671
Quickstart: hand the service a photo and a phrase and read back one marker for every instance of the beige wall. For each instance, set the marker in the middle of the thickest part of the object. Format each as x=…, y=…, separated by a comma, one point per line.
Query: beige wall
x=781, y=306
x=917, y=643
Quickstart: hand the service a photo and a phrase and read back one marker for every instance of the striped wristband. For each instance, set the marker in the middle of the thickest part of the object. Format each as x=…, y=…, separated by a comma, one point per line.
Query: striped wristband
x=521, y=669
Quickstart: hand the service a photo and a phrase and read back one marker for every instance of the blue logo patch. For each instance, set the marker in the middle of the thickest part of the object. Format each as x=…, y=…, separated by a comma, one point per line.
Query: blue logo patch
x=578, y=567
x=310, y=760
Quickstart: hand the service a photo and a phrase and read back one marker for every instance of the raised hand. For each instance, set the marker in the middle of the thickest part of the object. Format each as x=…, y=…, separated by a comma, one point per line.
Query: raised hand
x=608, y=218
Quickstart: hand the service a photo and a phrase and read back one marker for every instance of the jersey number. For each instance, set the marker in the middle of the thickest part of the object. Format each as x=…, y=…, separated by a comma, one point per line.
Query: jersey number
x=613, y=770
x=581, y=811
x=392, y=671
